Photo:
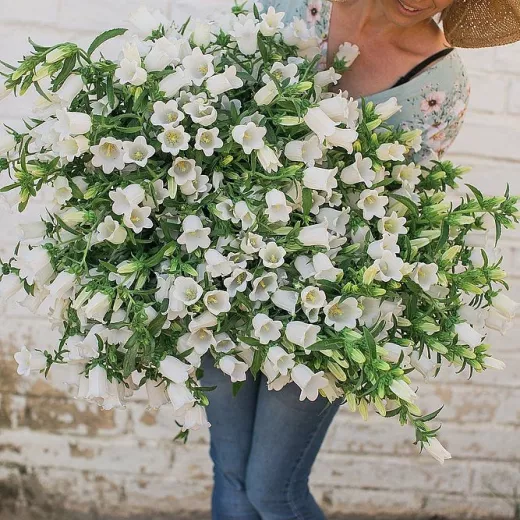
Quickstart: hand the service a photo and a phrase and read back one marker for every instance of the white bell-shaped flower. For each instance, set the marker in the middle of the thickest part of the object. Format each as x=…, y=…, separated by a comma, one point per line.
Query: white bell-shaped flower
x=281, y=359
x=156, y=392
x=309, y=382
x=166, y=113
x=29, y=361
x=391, y=152
x=224, y=82
x=237, y=282
x=195, y=418
x=393, y=224
x=342, y=314
x=425, y=274
x=245, y=31
x=315, y=235
x=387, y=109
x=108, y=154
x=180, y=397
x=194, y=235
x=302, y=334
x=173, y=139
x=137, y=219
x=263, y=287
x=277, y=208
x=359, y=171
x=320, y=123
x=173, y=83
x=174, y=369
x=249, y=136
x=137, y=151
x=436, y=450
x=243, y=214
x=208, y=141
x=97, y=384
x=234, y=368
x=271, y=22
x=286, y=300
x=198, y=66
x=308, y=151
x=217, y=264
x=217, y=302
x=388, y=267
x=467, y=335
x=373, y=204
x=272, y=255
x=184, y=170
x=224, y=343
x=186, y=290
x=72, y=123
x=266, y=329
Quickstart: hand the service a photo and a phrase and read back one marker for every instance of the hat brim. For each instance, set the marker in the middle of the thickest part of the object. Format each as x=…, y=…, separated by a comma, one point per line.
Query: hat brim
x=482, y=23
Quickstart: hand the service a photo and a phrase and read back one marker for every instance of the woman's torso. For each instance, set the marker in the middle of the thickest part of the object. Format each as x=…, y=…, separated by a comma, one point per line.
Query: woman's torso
x=434, y=101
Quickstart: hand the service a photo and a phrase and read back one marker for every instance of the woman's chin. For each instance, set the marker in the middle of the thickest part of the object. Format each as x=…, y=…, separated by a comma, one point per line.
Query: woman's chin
x=399, y=13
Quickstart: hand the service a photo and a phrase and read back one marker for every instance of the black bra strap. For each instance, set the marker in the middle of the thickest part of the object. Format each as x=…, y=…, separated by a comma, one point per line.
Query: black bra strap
x=422, y=66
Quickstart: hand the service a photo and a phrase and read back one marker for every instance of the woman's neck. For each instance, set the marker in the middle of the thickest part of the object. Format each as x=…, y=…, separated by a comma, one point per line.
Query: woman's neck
x=388, y=51
x=371, y=20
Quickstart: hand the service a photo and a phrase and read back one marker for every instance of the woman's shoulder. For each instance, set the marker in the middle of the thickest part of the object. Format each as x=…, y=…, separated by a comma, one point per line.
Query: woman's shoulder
x=434, y=101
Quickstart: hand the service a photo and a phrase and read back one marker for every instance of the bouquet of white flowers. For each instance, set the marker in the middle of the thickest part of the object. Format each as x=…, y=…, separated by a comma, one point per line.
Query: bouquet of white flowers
x=206, y=196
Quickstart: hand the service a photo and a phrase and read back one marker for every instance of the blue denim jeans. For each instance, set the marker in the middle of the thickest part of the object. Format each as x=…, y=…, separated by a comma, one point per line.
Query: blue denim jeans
x=263, y=446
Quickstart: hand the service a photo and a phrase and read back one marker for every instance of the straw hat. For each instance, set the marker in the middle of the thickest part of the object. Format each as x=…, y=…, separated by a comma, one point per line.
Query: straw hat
x=482, y=23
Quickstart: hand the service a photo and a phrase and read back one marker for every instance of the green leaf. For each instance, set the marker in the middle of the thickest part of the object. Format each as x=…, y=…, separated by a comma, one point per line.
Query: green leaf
x=258, y=360
x=445, y=233
x=431, y=416
x=66, y=70
x=236, y=387
x=109, y=267
x=110, y=92
x=129, y=129
x=406, y=202
x=103, y=37
x=477, y=193
x=156, y=324
x=250, y=341
x=9, y=187
x=262, y=48
x=327, y=344
x=370, y=341
x=307, y=201
x=131, y=353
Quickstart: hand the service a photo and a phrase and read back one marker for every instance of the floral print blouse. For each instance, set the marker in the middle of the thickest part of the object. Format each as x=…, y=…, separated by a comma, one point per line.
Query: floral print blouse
x=435, y=100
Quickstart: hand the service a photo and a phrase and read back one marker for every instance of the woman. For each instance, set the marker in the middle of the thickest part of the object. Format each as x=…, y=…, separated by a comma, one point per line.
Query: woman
x=264, y=443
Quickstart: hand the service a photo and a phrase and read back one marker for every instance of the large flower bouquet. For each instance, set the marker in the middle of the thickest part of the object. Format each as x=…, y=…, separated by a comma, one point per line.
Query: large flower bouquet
x=205, y=195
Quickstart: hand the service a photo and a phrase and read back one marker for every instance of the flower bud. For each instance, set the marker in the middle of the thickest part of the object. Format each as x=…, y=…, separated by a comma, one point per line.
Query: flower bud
x=60, y=53
x=303, y=86
x=372, y=125
x=351, y=401
x=290, y=121
x=357, y=356
x=451, y=253
x=497, y=274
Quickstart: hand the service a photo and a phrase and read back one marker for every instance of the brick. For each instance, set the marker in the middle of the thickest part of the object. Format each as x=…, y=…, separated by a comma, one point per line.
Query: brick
x=403, y=473
x=36, y=449
x=496, y=479
x=481, y=86
x=380, y=436
x=474, y=139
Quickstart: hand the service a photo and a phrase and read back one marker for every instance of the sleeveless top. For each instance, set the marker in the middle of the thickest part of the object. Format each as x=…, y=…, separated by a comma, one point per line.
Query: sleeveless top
x=435, y=100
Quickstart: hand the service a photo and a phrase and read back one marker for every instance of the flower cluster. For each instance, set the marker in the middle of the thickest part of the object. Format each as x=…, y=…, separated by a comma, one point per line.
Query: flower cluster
x=208, y=194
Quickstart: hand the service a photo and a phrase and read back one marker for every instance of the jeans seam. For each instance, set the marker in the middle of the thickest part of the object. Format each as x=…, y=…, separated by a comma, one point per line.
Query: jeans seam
x=292, y=502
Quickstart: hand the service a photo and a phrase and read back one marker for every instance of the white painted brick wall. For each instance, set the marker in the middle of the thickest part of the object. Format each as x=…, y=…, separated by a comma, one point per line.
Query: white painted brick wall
x=69, y=454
